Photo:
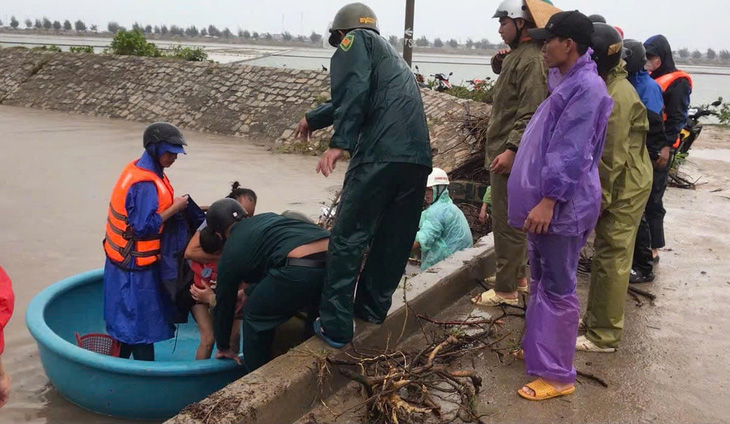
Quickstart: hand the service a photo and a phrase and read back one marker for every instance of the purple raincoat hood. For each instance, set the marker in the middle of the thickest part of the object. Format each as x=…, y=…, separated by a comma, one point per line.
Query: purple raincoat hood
x=560, y=151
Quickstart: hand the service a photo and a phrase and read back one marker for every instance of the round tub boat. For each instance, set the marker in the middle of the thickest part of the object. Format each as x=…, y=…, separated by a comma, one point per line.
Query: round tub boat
x=113, y=386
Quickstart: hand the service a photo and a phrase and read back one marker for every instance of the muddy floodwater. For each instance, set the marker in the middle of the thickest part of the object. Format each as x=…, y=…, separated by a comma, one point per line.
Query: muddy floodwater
x=56, y=175
x=57, y=171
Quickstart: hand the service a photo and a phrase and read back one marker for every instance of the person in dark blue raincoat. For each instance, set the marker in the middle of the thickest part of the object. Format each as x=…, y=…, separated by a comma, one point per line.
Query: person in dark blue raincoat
x=676, y=88
x=137, y=310
x=651, y=95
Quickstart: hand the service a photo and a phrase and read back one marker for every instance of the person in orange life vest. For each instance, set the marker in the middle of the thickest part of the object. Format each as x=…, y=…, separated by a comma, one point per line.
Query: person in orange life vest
x=202, y=294
x=6, y=311
x=676, y=86
x=137, y=311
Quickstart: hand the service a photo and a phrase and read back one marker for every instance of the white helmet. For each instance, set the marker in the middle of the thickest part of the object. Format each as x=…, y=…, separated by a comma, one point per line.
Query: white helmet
x=513, y=9
x=437, y=177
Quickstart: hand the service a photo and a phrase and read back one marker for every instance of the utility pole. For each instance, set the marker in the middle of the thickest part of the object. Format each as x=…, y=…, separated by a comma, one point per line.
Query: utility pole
x=408, y=33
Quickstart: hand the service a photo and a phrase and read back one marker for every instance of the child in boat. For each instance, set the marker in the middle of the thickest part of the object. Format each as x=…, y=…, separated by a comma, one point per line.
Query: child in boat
x=202, y=291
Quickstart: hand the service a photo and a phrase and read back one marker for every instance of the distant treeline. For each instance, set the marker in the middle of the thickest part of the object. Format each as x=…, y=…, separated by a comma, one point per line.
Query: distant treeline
x=211, y=31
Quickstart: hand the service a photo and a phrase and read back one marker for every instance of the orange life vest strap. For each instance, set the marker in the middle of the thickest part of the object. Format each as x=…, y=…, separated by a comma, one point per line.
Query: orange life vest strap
x=665, y=81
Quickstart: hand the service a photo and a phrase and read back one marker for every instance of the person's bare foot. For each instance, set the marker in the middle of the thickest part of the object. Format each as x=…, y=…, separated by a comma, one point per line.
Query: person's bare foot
x=558, y=386
x=522, y=282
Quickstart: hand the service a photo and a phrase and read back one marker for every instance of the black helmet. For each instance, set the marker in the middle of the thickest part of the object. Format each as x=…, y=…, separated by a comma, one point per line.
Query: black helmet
x=634, y=55
x=351, y=16
x=607, y=47
x=222, y=213
x=597, y=18
x=162, y=131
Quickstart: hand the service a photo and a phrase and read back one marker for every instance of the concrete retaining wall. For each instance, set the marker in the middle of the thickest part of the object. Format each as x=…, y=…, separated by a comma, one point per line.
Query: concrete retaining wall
x=263, y=104
x=287, y=387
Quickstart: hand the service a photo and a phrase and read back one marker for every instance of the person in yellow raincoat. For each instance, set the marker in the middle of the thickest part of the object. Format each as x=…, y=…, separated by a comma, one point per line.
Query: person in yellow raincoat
x=626, y=176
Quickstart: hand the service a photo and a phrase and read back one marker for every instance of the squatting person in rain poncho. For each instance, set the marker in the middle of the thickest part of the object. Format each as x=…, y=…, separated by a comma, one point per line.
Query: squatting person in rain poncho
x=555, y=196
x=443, y=229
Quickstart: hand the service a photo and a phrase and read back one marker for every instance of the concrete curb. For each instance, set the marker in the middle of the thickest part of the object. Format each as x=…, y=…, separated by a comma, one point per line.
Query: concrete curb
x=287, y=387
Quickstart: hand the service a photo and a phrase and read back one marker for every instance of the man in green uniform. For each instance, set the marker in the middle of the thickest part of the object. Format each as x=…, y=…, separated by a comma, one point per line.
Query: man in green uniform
x=520, y=88
x=378, y=116
x=281, y=260
x=626, y=178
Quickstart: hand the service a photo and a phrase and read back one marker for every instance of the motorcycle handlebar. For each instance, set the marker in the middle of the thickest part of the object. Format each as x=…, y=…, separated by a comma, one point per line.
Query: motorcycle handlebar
x=703, y=112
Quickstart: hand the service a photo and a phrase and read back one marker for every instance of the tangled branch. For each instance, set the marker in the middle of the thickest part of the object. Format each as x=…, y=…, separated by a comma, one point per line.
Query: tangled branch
x=403, y=386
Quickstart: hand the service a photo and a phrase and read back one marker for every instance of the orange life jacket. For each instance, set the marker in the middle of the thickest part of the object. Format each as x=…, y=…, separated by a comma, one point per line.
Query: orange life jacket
x=665, y=81
x=120, y=243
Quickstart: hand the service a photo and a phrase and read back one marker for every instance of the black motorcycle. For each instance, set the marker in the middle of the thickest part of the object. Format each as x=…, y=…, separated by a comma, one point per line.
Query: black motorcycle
x=693, y=127
x=688, y=135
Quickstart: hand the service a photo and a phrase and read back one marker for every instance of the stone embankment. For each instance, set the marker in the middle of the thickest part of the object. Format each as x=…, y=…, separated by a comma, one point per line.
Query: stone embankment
x=259, y=103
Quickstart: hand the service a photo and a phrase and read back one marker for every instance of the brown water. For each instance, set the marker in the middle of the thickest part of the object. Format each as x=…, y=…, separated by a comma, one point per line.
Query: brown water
x=56, y=175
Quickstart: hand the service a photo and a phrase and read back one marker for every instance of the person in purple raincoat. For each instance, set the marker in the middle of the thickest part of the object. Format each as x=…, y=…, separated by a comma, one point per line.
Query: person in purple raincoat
x=555, y=197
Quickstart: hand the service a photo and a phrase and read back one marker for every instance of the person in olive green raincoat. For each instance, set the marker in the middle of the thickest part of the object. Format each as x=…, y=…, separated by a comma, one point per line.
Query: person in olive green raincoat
x=378, y=117
x=626, y=178
x=520, y=88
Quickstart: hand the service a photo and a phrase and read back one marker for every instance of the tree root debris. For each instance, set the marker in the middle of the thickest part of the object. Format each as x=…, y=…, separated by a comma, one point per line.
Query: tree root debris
x=402, y=386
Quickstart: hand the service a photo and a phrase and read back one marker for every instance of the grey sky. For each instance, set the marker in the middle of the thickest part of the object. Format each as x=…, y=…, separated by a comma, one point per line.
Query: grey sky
x=695, y=24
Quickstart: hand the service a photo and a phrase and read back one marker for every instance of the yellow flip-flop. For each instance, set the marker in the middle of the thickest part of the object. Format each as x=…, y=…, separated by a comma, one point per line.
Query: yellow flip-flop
x=491, y=298
x=543, y=391
x=522, y=289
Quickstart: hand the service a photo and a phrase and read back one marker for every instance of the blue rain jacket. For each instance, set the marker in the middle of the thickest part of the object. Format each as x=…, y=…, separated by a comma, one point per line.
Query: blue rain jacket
x=136, y=308
x=443, y=230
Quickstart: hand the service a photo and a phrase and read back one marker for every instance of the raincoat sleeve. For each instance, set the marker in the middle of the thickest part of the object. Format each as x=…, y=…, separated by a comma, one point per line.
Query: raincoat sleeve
x=141, y=204
x=625, y=118
x=676, y=106
x=656, y=139
x=430, y=230
x=321, y=117
x=487, y=196
x=615, y=151
x=532, y=91
x=568, y=157
x=7, y=301
x=350, y=79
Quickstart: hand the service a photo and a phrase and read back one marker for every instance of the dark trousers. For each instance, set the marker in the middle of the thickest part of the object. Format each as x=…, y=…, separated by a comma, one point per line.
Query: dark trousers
x=655, y=208
x=651, y=228
x=643, y=260
x=380, y=209
x=510, y=244
x=141, y=352
x=273, y=301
